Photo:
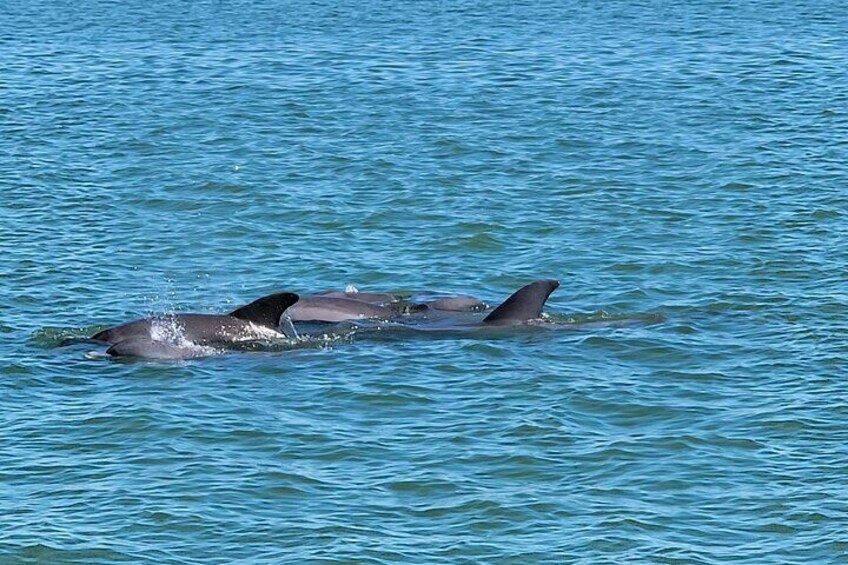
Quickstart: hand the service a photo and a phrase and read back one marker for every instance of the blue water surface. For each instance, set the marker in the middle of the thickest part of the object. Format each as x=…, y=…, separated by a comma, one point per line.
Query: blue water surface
x=684, y=164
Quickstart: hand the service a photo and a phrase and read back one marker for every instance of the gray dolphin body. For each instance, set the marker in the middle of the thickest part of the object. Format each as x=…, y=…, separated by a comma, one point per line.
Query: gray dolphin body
x=335, y=309
x=381, y=298
x=461, y=303
x=178, y=335
x=456, y=304
x=330, y=311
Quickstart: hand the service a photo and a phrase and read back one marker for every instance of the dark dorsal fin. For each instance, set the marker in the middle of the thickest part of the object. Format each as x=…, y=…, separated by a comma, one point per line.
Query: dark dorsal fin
x=525, y=304
x=267, y=310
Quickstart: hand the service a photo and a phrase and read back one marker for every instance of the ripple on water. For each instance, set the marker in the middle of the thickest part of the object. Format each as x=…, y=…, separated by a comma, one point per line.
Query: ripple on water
x=680, y=168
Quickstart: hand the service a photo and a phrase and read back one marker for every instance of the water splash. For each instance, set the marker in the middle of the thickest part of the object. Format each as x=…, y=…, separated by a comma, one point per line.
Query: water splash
x=168, y=329
x=287, y=327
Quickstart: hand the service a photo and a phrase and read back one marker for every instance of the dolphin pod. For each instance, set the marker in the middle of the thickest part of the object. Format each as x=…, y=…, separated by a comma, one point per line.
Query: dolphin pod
x=186, y=335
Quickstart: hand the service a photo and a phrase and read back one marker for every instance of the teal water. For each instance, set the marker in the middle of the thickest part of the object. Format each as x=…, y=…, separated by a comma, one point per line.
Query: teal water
x=677, y=161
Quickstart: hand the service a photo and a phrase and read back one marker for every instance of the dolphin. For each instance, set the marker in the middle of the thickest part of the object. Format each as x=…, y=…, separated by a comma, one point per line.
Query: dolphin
x=458, y=313
x=380, y=298
x=460, y=303
x=454, y=304
x=256, y=320
x=335, y=309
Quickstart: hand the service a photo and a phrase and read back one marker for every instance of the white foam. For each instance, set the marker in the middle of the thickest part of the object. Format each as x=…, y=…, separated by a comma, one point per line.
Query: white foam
x=254, y=332
x=169, y=330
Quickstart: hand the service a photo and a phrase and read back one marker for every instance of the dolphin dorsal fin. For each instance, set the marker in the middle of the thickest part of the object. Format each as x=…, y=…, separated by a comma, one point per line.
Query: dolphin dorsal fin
x=266, y=311
x=525, y=304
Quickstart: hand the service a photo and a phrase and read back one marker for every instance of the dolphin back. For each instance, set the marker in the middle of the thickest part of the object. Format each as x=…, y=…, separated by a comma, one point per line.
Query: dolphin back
x=525, y=304
x=266, y=311
x=138, y=328
x=457, y=304
x=336, y=309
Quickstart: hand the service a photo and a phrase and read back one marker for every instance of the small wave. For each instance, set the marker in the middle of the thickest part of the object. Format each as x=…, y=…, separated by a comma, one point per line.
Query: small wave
x=50, y=337
x=602, y=319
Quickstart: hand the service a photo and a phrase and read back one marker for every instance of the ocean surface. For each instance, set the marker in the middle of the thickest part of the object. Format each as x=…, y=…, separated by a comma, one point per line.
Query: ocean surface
x=683, y=165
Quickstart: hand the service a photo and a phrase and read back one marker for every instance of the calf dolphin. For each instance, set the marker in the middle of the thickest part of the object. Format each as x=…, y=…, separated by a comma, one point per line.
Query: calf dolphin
x=256, y=320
